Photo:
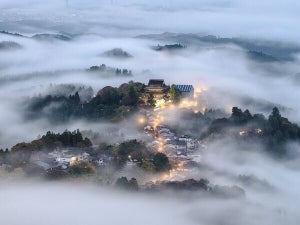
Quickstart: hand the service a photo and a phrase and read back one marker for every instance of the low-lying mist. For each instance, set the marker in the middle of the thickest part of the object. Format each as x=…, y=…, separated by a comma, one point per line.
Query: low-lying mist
x=270, y=186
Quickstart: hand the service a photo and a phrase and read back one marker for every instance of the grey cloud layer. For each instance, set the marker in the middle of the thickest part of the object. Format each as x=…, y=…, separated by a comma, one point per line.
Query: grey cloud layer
x=266, y=19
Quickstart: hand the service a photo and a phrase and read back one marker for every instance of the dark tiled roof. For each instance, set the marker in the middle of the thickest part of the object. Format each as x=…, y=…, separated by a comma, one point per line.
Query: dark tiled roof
x=185, y=88
x=156, y=82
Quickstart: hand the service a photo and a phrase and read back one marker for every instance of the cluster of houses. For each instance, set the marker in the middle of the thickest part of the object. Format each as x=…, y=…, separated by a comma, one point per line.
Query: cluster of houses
x=62, y=158
x=165, y=140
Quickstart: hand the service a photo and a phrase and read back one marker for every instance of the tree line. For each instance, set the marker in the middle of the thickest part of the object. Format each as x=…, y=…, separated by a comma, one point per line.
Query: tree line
x=274, y=131
x=110, y=103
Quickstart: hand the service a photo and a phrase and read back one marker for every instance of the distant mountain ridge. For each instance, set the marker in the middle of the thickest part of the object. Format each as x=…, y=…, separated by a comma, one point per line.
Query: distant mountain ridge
x=11, y=34
x=42, y=36
x=259, y=49
x=51, y=37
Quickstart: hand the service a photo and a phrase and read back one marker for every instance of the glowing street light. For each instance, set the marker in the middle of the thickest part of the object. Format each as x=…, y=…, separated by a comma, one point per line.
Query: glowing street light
x=141, y=120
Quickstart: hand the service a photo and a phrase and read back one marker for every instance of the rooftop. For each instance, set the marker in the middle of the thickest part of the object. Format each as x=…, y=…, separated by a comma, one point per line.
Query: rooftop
x=184, y=88
x=156, y=82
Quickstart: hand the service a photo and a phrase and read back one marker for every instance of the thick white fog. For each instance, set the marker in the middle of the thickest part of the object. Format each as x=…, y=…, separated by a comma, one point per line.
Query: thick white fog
x=272, y=197
x=224, y=72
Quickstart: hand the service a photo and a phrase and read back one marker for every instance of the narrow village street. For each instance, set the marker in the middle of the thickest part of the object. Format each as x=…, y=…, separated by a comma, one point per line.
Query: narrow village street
x=184, y=152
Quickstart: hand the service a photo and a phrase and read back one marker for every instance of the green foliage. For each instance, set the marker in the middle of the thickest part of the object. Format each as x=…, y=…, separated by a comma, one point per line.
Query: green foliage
x=106, y=69
x=131, y=98
x=147, y=99
x=151, y=100
x=66, y=139
x=137, y=151
x=279, y=129
x=109, y=103
x=148, y=166
x=174, y=94
x=56, y=173
x=123, y=183
x=105, y=149
x=52, y=140
x=109, y=96
x=82, y=168
x=239, y=117
x=161, y=162
x=274, y=131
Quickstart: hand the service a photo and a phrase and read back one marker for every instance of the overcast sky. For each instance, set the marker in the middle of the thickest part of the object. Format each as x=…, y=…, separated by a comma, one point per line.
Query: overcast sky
x=266, y=19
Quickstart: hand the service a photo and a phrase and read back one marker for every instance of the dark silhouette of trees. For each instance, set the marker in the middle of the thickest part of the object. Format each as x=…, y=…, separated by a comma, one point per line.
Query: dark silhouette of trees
x=82, y=168
x=240, y=117
x=109, y=103
x=52, y=140
x=132, y=150
x=274, y=132
x=129, y=185
x=161, y=162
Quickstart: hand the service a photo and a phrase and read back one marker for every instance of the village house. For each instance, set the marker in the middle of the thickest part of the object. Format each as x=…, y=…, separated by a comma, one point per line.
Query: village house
x=187, y=91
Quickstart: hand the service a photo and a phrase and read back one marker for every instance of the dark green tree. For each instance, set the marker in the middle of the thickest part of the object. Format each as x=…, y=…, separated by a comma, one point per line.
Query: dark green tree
x=174, y=94
x=161, y=162
x=124, y=183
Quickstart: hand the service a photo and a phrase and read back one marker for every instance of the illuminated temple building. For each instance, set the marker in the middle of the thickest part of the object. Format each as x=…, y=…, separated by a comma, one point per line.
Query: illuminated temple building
x=157, y=87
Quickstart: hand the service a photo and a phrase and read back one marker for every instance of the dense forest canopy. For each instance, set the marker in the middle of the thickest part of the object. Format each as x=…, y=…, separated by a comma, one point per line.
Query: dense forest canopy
x=109, y=103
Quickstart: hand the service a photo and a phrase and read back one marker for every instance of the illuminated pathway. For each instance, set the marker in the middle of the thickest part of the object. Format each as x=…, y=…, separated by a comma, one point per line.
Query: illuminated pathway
x=155, y=120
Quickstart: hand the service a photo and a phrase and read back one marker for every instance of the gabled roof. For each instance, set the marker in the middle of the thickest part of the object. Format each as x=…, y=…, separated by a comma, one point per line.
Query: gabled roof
x=184, y=88
x=156, y=82
x=181, y=143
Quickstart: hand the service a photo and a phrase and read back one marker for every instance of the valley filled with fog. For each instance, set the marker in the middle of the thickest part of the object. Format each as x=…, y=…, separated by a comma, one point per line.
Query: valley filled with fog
x=234, y=54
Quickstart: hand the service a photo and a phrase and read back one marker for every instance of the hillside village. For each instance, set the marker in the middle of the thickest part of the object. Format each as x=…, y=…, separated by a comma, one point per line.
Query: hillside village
x=58, y=160
x=159, y=147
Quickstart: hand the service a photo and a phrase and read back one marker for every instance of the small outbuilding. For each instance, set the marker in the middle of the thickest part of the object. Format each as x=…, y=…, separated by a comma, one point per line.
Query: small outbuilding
x=187, y=91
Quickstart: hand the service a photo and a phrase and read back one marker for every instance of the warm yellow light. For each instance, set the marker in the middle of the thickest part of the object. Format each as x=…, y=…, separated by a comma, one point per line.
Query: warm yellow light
x=166, y=176
x=188, y=104
x=160, y=149
x=172, y=106
x=141, y=120
x=160, y=103
x=73, y=160
x=243, y=132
